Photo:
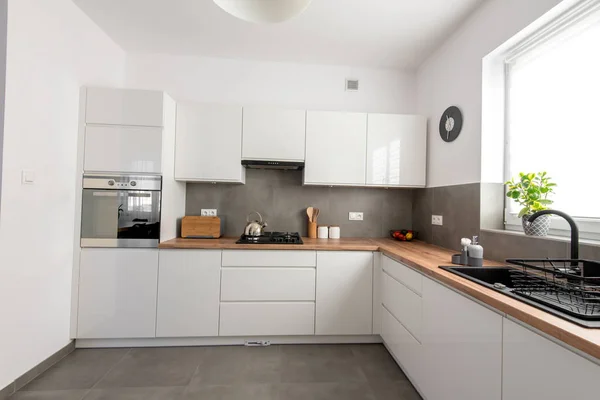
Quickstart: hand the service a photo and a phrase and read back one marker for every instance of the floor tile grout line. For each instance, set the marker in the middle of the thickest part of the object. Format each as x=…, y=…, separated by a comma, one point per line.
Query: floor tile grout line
x=108, y=372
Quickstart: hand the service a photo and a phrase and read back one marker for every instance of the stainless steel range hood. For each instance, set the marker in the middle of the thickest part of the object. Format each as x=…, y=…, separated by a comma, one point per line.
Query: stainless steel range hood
x=286, y=165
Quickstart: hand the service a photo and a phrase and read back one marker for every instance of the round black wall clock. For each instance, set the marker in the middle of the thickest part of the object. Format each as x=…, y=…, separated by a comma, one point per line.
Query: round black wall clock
x=451, y=124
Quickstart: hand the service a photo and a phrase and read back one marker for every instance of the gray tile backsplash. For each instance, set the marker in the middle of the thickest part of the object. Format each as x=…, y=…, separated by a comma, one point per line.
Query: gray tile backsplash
x=477, y=209
x=460, y=207
x=282, y=200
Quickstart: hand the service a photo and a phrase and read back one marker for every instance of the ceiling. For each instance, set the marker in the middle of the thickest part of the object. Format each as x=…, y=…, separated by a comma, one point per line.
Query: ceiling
x=375, y=33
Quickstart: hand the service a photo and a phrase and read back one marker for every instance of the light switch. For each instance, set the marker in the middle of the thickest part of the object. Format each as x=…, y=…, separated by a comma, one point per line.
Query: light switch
x=27, y=177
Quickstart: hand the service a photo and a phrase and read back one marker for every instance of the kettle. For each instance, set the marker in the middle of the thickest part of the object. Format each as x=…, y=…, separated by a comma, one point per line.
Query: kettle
x=254, y=228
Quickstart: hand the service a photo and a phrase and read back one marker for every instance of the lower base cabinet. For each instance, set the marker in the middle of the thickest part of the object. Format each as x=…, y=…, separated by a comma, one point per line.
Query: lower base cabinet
x=188, y=293
x=117, y=293
x=535, y=368
x=462, y=342
x=267, y=319
x=344, y=293
x=405, y=348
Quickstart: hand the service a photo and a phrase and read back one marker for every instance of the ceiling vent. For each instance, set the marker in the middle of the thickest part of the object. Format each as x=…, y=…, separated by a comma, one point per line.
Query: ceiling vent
x=351, y=85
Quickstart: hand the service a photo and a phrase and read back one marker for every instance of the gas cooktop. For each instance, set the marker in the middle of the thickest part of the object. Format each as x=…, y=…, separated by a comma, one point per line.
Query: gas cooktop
x=272, y=238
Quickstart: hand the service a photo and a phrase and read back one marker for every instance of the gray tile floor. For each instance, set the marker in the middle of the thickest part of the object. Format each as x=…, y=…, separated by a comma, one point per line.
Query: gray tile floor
x=303, y=372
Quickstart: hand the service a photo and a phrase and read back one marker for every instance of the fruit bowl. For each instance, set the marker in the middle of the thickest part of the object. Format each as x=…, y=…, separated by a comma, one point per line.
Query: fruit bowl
x=404, y=235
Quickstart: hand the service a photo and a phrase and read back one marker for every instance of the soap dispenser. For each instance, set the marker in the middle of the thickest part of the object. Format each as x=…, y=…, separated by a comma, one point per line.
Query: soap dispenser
x=475, y=253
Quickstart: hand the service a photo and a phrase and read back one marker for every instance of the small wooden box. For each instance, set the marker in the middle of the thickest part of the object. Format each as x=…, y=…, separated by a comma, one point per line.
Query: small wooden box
x=194, y=227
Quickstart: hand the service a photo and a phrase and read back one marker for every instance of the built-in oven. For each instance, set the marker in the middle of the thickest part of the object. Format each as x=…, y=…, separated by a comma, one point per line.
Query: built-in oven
x=120, y=210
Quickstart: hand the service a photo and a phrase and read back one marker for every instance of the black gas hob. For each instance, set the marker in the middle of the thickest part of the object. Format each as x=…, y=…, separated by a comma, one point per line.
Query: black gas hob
x=272, y=238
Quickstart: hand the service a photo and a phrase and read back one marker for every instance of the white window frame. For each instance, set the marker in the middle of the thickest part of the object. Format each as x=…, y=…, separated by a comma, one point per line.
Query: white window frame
x=589, y=227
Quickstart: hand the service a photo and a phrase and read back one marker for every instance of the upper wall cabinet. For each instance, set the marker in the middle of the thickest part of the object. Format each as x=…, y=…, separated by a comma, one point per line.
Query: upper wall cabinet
x=124, y=149
x=335, y=148
x=124, y=107
x=209, y=143
x=274, y=134
x=396, y=150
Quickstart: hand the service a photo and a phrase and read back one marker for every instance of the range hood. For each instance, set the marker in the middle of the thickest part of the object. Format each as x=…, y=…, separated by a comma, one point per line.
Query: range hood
x=286, y=165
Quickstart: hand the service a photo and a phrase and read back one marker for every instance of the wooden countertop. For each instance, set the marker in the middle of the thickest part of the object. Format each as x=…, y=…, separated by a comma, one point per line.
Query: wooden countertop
x=427, y=258
x=348, y=244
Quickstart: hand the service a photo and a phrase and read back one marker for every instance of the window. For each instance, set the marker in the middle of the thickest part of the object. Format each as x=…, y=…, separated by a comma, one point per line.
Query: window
x=553, y=112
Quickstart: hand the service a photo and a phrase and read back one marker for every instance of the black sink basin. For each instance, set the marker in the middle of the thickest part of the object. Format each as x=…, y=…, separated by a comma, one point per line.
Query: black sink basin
x=489, y=275
x=577, y=304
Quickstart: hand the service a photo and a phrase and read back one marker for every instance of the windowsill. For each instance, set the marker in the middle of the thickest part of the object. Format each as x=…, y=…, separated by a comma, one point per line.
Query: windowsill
x=586, y=242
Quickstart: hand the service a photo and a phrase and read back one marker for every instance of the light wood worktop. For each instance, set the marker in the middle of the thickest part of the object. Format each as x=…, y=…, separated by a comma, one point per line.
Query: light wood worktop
x=427, y=258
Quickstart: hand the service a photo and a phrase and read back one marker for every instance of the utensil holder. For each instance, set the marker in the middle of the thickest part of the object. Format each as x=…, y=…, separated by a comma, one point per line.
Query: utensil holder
x=312, y=230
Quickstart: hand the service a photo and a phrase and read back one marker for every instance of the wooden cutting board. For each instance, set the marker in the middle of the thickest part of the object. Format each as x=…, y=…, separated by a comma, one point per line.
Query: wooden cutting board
x=201, y=227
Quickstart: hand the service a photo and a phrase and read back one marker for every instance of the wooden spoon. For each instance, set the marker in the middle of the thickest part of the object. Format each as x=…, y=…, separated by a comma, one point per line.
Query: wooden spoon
x=310, y=213
x=316, y=212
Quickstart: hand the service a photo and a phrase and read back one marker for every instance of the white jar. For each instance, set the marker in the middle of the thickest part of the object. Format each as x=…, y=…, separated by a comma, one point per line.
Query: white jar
x=322, y=232
x=334, y=232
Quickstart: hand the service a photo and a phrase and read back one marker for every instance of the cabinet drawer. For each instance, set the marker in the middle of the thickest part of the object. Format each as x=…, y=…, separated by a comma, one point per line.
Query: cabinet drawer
x=403, y=304
x=264, y=284
x=401, y=343
x=139, y=149
x=409, y=277
x=269, y=258
x=252, y=319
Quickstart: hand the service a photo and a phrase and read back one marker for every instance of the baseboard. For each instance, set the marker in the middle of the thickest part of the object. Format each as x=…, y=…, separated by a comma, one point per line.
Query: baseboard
x=224, y=341
x=30, y=375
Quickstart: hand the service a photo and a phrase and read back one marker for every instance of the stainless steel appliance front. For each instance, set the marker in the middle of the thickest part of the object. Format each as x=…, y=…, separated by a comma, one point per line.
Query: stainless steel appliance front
x=120, y=210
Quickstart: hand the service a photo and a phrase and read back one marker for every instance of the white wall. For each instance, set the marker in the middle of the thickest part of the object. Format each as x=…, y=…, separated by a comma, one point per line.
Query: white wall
x=453, y=76
x=270, y=83
x=3, y=23
x=53, y=49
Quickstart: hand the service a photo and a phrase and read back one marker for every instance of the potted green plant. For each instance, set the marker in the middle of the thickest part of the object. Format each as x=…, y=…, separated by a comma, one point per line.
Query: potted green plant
x=531, y=191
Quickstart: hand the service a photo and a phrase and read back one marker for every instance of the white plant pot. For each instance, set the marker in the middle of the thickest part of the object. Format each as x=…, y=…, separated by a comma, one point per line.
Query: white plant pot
x=539, y=227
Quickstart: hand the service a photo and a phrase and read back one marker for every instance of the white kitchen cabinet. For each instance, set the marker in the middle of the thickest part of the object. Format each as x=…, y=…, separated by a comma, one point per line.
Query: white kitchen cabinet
x=188, y=293
x=208, y=146
x=404, y=347
x=344, y=293
x=336, y=146
x=273, y=134
x=123, y=149
x=117, y=293
x=396, y=150
x=109, y=106
x=462, y=342
x=267, y=319
x=536, y=368
x=268, y=284
x=404, y=304
x=269, y=258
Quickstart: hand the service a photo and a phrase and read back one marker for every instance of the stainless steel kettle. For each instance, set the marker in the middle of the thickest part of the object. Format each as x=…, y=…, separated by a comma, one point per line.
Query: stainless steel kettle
x=256, y=227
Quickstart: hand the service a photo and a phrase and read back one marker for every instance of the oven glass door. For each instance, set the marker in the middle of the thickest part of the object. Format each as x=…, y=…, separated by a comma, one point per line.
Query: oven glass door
x=120, y=218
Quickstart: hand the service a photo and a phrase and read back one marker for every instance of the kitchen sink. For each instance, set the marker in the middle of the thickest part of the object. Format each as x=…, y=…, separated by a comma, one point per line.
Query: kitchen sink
x=570, y=297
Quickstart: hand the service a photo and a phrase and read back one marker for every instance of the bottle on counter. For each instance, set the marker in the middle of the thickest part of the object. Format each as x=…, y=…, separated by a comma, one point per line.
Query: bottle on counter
x=475, y=253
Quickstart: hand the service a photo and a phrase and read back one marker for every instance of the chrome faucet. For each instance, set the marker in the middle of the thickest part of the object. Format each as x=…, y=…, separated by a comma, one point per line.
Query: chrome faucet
x=574, y=231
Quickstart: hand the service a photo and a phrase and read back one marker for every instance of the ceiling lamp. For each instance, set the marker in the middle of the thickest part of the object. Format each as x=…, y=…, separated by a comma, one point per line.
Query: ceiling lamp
x=263, y=11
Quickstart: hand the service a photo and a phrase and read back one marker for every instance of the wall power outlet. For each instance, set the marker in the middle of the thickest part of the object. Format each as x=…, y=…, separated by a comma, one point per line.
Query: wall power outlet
x=208, y=212
x=437, y=220
x=355, y=216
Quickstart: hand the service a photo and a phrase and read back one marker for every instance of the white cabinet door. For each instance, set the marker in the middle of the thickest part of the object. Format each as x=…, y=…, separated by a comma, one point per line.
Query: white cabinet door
x=268, y=284
x=117, y=293
x=462, y=341
x=404, y=347
x=123, y=149
x=267, y=319
x=396, y=150
x=344, y=293
x=124, y=107
x=209, y=143
x=274, y=134
x=336, y=146
x=404, y=304
x=188, y=293
x=535, y=368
